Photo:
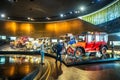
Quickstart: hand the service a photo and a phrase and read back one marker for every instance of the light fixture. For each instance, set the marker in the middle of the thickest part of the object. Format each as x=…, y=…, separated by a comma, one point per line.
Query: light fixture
x=61, y=15
x=28, y=18
x=2, y=15
x=77, y=11
x=82, y=8
x=32, y=19
x=48, y=18
x=8, y=17
x=71, y=12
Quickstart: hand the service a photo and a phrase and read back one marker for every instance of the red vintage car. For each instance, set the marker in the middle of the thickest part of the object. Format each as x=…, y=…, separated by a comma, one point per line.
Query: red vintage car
x=89, y=42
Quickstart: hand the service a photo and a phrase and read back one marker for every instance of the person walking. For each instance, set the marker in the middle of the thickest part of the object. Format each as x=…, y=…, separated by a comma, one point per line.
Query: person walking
x=58, y=51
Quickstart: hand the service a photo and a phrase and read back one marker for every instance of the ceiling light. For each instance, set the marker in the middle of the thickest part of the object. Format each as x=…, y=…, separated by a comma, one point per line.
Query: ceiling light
x=2, y=15
x=47, y=18
x=77, y=12
x=28, y=18
x=8, y=17
x=61, y=15
x=32, y=19
x=82, y=8
x=71, y=12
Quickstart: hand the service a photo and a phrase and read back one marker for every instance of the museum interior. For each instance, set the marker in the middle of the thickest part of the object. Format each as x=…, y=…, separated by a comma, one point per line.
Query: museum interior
x=59, y=39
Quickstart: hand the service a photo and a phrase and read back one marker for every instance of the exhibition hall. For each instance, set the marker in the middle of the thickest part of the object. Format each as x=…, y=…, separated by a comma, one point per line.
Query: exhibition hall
x=59, y=40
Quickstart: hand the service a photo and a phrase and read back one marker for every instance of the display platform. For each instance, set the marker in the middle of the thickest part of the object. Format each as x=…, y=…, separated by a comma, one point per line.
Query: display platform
x=71, y=60
x=92, y=61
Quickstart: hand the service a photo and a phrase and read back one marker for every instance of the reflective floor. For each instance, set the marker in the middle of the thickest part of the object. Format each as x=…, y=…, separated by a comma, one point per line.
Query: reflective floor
x=14, y=67
x=99, y=71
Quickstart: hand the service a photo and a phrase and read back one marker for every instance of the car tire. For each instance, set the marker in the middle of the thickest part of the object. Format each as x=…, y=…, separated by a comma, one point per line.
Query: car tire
x=79, y=52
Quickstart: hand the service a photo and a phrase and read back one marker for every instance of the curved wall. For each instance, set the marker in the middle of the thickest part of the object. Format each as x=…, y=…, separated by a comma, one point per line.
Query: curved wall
x=105, y=14
x=55, y=29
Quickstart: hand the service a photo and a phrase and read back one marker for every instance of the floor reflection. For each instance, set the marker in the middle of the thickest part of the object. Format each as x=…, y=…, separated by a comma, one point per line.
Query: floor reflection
x=16, y=67
x=58, y=70
x=98, y=71
x=97, y=67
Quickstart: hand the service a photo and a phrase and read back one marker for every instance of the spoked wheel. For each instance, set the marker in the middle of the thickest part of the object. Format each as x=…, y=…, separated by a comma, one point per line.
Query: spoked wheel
x=104, y=52
x=78, y=52
x=70, y=51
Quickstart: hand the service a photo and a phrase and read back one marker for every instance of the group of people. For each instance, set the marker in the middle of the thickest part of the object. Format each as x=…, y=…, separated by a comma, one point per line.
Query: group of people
x=58, y=47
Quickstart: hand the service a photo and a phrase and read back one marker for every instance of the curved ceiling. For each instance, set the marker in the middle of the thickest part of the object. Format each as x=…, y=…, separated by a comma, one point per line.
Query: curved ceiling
x=48, y=10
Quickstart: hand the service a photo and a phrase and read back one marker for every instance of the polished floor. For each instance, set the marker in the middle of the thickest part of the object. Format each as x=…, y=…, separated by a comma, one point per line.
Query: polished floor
x=16, y=67
x=19, y=68
x=99, y=71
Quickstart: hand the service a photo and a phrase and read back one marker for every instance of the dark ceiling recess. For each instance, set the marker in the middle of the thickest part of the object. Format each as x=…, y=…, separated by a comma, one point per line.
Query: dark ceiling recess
x=48, y=10
x=15, y=0
x=31, y=0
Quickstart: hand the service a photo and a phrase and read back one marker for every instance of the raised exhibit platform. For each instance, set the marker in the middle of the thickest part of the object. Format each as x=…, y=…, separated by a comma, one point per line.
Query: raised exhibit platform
x=71, y=60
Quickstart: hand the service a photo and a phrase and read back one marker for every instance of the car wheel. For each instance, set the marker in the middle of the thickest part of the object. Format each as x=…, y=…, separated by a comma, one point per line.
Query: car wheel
x=78, y=52
x=103, y=50
x=70, y=51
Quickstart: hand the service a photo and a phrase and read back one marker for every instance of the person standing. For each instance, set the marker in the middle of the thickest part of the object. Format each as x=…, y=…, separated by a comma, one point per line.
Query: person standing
x=42, y=52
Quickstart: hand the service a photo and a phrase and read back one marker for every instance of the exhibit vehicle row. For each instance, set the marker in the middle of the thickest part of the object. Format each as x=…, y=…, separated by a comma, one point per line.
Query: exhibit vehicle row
x=87, y=46
x=75, y=45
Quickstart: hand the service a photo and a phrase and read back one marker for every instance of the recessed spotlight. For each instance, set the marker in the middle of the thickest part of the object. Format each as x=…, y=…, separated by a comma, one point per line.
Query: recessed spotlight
x=8, y=17
x=71, y=12
x=28, y=18
x=2, y=15
x=76, y=12
x=32, y=19
x=47, y=18
x=82, y=8
x=61, y=15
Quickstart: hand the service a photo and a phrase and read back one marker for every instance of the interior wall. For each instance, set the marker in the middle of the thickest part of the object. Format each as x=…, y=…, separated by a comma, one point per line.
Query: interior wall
x=54, y=29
